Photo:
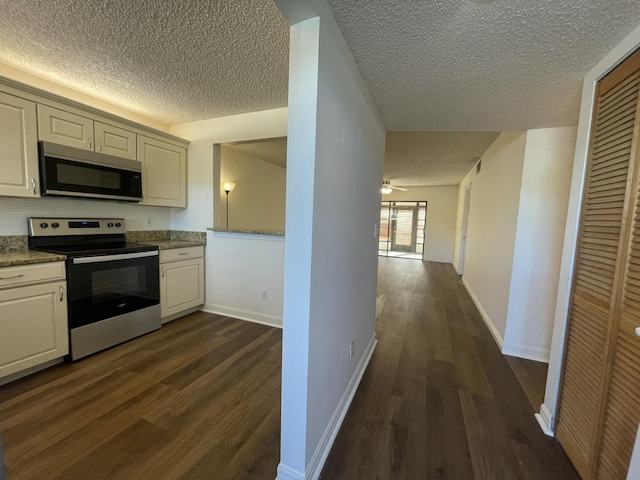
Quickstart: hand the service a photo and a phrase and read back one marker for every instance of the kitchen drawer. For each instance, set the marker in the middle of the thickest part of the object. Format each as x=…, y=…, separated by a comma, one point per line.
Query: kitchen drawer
x=181, y=254
x=25, y=274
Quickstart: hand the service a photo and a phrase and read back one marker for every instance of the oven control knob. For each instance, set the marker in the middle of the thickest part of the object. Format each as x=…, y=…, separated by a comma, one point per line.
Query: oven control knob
x=118, y=224
x=44, y=225
x=55, y=225
x=109, y=224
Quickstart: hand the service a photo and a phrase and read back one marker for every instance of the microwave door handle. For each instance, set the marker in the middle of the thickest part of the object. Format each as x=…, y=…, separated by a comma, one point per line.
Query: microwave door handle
x=113, y=258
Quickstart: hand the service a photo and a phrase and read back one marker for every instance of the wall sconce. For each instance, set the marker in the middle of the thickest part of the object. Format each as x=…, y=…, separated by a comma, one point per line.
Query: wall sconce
x=227, y=187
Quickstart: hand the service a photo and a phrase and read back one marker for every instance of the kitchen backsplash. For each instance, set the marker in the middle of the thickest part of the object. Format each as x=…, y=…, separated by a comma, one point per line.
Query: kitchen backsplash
x=15, y=211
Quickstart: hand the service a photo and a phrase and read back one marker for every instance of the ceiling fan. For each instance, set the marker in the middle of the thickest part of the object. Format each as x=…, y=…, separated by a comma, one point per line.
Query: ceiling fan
x=388, y=188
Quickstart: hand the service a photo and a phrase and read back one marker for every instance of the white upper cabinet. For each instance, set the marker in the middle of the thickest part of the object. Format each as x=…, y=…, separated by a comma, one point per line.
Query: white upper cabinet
x=115, y=141
x=66, y=128
x=18, y=147
x=164, y=173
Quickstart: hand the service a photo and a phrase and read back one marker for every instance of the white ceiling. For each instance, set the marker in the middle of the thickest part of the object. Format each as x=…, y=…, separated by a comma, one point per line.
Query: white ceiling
x=169, y=60
x=433, y=158
x=430, y=65
x=271, y=151
x=458, y=65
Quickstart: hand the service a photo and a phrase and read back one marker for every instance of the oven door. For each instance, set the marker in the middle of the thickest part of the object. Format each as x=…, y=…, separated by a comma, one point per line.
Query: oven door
x=106, y=286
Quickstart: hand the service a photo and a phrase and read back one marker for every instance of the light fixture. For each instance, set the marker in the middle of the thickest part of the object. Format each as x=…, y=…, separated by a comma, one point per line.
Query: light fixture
x=386, y=188
x=227, y=187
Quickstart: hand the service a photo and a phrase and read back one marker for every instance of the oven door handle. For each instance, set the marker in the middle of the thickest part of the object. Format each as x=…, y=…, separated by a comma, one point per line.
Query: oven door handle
x=111, y=258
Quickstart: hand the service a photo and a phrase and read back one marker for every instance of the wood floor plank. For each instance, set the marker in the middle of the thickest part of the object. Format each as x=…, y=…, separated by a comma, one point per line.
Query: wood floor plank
x=492, y=456
x=448, y=454
x=532, y=377
x=86, y=441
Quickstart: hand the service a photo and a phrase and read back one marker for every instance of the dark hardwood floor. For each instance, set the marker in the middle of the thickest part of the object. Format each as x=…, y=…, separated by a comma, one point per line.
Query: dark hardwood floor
x=439, y=400
x=199, y=399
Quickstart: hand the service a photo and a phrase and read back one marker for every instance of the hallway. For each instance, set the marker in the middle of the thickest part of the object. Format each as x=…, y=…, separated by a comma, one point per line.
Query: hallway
x=438, y=400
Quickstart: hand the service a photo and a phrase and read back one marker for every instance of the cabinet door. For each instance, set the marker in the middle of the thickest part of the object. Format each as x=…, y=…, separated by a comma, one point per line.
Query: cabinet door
x=18, y=147
x=115, y=141
x=181, y=286
x=64, y=128
x=33, y=326
x=164, y=173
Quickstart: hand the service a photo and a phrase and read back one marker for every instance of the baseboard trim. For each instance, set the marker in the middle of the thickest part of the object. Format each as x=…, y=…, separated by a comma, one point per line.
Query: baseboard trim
x=240, y=314
x=36, y=368
x=483, y=314
x=544, y=420
x=288, y=473
x=314, y=468
x=523, y=351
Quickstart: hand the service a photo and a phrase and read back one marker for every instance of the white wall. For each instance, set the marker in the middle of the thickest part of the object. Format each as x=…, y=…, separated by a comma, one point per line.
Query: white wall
x=334, y=170
x=620, y=52
x=491, y=232
x=241, y=266
x=258, y=200
x=542, y=215
x=15, y=211
x=237, y=267
x=442, y=204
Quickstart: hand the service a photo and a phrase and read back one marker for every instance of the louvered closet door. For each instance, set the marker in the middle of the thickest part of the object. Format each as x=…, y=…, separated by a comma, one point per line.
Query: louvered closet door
x=597, y=269
x=622, y=408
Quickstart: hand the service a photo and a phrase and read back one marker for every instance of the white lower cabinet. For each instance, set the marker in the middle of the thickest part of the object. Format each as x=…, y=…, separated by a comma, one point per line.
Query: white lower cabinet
x=181, y=280
x=33, y=319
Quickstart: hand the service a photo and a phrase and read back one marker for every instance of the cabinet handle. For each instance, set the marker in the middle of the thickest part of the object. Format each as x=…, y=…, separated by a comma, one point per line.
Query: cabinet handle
x=13, y=276
x=100, y=144
x=162, y=269
x=90, y=142
x=184, y=253
x=61, y=293
x=34, y=185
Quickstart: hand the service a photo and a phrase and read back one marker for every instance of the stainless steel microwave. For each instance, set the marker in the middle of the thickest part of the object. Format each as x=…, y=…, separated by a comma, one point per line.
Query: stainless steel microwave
x=73, y=172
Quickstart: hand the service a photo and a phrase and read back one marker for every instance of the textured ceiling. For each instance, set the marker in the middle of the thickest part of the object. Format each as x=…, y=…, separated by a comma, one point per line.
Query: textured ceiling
x=430, y=65
x=458, y=65
x=171, y=60
x=271, y=151
x=433, y=158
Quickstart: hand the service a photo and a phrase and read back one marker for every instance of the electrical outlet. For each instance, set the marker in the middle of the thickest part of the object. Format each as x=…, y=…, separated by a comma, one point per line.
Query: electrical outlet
x=148, y=221
x=351, y=348
x=264, y=294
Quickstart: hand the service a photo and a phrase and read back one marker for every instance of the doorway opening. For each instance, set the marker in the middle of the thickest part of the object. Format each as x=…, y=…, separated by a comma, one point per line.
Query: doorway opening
x=402, y=229
x=463, y=229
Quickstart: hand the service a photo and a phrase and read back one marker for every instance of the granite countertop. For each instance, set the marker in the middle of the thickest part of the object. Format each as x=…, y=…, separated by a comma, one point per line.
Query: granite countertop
x=14, y=251
x=167, y=239
x=279, y=233
x=169, y=244
x=28, y=257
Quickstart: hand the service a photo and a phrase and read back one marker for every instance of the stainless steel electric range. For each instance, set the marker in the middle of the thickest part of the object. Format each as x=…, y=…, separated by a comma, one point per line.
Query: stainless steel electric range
x=113, y=287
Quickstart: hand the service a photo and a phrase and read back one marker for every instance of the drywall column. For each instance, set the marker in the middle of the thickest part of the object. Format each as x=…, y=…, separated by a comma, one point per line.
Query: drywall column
x=542, y=214
x=334, y=168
